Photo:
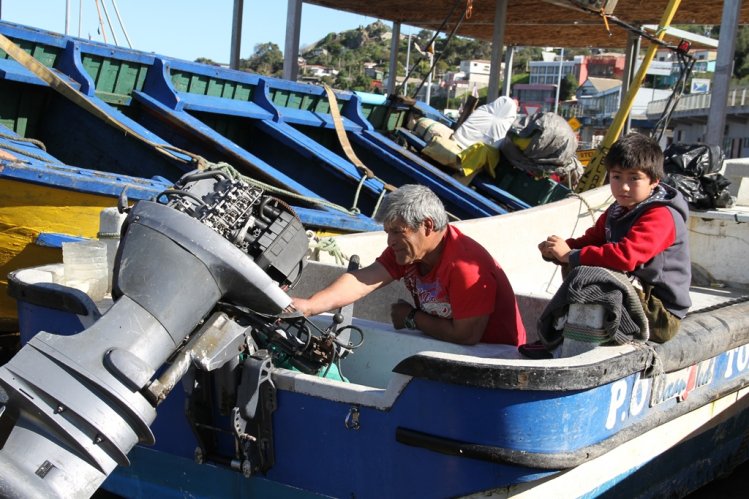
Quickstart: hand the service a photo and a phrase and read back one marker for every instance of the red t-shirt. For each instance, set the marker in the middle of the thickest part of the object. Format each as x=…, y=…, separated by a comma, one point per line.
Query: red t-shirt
x=468, y=282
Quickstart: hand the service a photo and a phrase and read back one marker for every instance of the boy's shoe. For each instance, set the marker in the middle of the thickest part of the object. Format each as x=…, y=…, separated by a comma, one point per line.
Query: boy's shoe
x=535, y=350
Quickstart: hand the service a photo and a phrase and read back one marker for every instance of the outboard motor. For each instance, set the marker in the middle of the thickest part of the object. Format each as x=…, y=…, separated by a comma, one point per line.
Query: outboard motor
x=202, y=254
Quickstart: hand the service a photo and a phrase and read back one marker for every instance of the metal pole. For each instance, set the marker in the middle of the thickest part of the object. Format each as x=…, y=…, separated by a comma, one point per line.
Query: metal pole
x=394, y=45
x=236, y=34
x=429, y=78
x=122, y=25
x=509, y=54
x=500, y=20
x=80, y=16
x=408, y=62
x=631, y=53
x=716, y=118
x=291, y=51
x=559, y=81
x=67, y=16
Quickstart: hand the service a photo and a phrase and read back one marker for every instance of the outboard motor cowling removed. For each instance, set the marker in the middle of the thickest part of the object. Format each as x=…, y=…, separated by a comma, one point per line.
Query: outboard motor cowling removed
x=198, y=271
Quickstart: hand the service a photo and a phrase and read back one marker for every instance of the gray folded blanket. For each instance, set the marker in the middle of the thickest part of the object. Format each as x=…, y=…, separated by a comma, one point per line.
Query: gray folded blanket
x=624, y=320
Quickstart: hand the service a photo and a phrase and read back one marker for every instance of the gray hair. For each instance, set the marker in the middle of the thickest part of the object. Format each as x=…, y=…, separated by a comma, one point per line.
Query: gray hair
x=412, y=203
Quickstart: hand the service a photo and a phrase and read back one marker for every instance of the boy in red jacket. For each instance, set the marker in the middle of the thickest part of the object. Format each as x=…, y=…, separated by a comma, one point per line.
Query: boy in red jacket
x=643, y=234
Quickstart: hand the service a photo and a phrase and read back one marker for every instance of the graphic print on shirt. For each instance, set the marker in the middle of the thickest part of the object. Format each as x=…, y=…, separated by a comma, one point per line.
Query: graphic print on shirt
x=429, y=296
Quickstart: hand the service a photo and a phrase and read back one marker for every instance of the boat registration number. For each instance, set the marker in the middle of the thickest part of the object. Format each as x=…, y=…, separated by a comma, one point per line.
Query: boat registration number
x=679, y=384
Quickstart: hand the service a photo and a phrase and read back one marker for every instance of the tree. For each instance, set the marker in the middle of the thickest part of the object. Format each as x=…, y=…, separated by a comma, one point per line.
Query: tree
x=267, y=59
x=568, y=87
x=741, y=55
x=206, y=60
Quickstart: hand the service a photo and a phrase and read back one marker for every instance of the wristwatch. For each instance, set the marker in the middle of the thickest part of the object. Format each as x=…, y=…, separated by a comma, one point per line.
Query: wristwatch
x=411, y=319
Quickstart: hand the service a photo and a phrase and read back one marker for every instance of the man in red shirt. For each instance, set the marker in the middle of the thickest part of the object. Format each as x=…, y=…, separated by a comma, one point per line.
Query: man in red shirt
x=461, y=294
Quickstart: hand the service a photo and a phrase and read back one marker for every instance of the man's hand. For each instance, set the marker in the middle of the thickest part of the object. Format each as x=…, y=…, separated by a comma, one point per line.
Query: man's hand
x=398, y=313
x=302, y=305
x=555, y=249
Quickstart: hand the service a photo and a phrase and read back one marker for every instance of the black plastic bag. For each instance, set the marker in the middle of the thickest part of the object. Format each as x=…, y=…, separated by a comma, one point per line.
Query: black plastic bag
x=694, y=170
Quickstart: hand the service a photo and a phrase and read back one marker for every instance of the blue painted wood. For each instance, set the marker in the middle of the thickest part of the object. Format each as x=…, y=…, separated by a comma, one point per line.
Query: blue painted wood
x=261, y=97
x=352, y=110
x=55, y=240
x=69, y=63
x=220, y=105
x=495, y=192
x=159, y=86
x=12, y=71
x=241, y=158
x=315, y=169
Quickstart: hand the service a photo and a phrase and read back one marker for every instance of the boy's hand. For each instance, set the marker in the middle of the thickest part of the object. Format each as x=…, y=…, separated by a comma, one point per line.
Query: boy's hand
x=555, y=249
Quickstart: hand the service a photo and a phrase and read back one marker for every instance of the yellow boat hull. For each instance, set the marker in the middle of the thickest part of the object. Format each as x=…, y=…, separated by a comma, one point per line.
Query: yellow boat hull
x=28, y=210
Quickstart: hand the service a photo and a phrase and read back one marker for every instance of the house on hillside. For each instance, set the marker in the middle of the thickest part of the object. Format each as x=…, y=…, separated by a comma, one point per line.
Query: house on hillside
x=606, y=65
x=314, y=73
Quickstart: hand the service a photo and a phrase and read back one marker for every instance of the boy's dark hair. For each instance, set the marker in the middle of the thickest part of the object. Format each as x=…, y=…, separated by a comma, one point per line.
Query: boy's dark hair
x=636, y=151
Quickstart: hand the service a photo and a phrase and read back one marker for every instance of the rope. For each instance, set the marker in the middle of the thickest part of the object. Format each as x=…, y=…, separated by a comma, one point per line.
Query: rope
x=37, y=143
x=343, y=139
x=340, y=131
x=329, y=245
x=358, y=191
x=31, y=155
x=231, y=171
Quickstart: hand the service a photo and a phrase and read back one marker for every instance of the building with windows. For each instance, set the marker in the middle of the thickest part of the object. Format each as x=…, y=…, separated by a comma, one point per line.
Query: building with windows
x=547, y=72
x=534, y=97
x=608, y=65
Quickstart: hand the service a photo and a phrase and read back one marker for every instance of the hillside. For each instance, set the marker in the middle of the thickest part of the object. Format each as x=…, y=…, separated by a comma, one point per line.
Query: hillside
x=352, y=59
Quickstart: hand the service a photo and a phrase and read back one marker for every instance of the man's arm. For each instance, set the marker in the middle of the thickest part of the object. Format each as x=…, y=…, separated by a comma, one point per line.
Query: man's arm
x=348, y=288
x=466, y=331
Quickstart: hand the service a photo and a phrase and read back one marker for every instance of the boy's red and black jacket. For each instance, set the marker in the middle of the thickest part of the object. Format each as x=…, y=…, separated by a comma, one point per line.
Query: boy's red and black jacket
x=650, y=242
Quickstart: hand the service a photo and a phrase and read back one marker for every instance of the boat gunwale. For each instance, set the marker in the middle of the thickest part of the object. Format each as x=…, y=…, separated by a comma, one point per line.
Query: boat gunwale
x=687, y=348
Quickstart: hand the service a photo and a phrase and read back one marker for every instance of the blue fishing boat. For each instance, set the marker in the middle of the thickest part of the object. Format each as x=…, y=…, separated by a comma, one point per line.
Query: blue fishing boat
x=56, y=178
x=416, y=416
x=72, y=146
x=260, y=125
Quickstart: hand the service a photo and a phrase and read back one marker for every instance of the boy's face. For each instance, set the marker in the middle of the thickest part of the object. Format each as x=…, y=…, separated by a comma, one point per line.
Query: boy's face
x=630, y=187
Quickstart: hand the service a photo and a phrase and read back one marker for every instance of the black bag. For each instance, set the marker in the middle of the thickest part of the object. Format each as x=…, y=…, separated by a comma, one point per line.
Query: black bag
x=694, y=170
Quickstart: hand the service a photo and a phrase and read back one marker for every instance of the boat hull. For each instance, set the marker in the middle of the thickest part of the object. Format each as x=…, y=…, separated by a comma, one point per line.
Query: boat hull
x=476, y=420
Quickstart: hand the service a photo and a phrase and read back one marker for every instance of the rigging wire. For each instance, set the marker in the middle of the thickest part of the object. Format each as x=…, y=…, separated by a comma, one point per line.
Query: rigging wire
x=109, y=22
x=101, y=21
x=436, y=59
x=686, y=65
x=434, y=37
x=122, y=25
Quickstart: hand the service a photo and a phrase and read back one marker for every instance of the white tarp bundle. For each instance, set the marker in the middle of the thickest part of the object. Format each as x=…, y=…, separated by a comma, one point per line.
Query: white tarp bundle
x=488, y=123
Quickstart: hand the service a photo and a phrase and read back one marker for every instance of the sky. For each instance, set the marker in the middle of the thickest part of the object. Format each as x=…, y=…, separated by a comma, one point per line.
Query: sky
x=186, y=29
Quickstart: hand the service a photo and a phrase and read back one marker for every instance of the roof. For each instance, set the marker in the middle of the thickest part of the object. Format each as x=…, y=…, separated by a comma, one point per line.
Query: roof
x=602, y=84
x=536, y=22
